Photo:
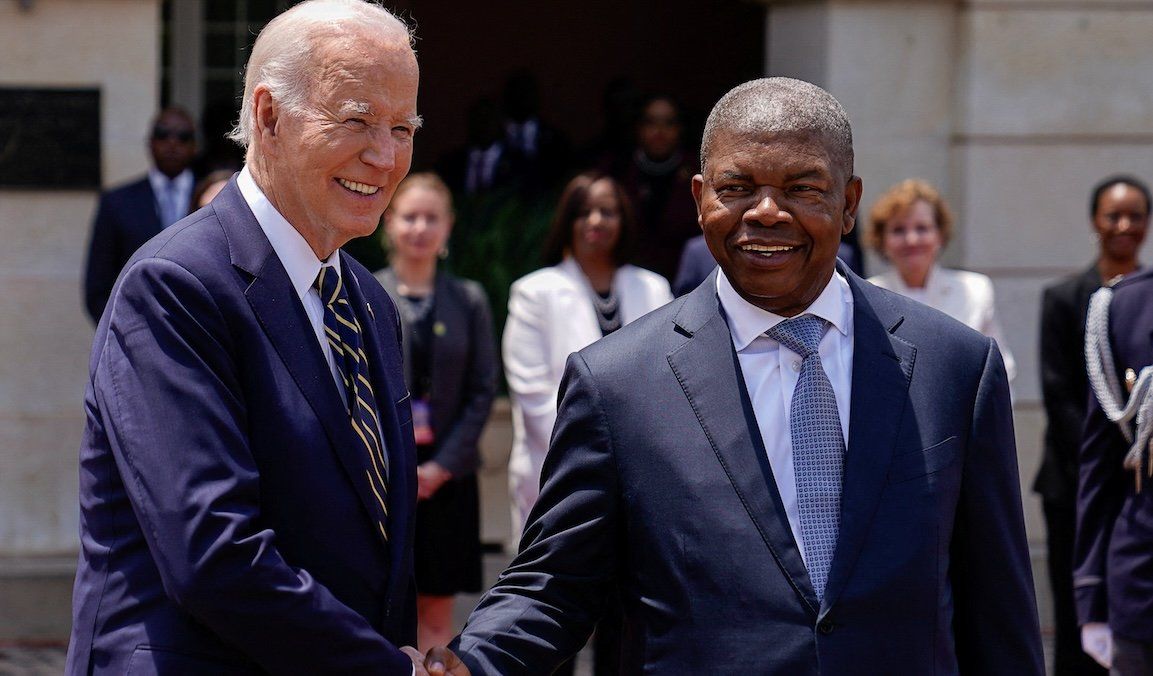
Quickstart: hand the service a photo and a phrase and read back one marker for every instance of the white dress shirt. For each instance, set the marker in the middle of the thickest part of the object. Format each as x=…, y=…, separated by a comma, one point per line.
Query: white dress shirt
x=173, y=196
x=298, y=259
x=771, y=370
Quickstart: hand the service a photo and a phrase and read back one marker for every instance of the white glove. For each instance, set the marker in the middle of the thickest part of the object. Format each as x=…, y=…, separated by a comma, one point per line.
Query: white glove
x=1097, y=642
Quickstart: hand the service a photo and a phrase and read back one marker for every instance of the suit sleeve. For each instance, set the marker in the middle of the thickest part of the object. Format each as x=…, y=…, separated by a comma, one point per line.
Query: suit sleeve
x=995, y=615
x=176, y=418
x=1101, y=490
x=1062, y=387
x=457, y=453
x=543, y=608
x=102, y=266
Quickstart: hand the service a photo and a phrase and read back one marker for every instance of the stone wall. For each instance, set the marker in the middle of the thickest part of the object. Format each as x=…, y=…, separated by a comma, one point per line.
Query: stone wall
x=45, y=335
x=1015, y=109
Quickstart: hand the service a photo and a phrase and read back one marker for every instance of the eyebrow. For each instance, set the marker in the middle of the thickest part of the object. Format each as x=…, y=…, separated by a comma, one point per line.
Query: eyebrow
x=734, y=176
x=358, y=107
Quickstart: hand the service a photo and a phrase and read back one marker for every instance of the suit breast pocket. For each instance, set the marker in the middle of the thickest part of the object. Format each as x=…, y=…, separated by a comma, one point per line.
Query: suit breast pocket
x=909, y=466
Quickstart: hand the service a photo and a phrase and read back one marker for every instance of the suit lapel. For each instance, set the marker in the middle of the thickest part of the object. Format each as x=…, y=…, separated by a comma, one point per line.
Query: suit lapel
x=707, y=369
x=882, y=368
x=285, y=323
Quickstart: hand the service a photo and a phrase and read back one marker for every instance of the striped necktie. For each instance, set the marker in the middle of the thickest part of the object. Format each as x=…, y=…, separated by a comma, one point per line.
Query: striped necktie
x=818, y=446
x=343, y=332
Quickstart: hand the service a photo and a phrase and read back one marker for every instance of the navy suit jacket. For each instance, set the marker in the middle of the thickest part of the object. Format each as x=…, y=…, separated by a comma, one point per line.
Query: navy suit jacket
x=657, y=488
x=125, y=219
x=225, y=524
x=1113, y=561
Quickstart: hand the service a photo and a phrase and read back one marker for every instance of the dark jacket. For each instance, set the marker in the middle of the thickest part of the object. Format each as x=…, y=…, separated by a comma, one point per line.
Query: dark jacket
x=464, y=368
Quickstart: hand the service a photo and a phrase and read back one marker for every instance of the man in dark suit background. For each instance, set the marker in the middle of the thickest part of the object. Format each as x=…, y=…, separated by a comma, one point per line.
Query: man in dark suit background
x=695, y=466
x=1119, y=215
x=248, y=470
x=1113, y=561
x=130, y=215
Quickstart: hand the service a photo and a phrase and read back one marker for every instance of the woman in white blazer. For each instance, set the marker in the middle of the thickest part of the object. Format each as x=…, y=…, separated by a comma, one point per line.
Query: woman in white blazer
x=588, y=291
x=908, y=226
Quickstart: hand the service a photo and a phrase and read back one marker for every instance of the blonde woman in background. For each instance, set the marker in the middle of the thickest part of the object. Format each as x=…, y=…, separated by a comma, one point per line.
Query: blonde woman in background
x=909, y=225
x=450, y=369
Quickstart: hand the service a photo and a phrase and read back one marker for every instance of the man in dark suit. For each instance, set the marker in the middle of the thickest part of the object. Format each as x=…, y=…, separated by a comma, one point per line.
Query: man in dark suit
x=1119, y=214
x=132, y=214
x=1113, y=563
x=248, y=470
x=788, y=470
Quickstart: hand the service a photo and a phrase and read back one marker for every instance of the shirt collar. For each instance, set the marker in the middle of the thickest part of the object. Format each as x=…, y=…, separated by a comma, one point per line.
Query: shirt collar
x=159, y=181
x=747, y=321
x=294, y=253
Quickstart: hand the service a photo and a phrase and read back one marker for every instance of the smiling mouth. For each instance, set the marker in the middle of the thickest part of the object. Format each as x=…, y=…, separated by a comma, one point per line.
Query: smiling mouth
x=766, y=251
x=358, y=188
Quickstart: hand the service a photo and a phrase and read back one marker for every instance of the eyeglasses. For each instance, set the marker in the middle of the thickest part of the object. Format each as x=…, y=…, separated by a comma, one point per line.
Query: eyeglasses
x=162, y=134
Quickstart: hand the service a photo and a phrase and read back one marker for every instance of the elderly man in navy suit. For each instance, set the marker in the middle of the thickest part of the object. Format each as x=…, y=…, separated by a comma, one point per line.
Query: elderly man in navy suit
x=132, y=214
x=1113, y=560
x=788, y=470
x=247, y=474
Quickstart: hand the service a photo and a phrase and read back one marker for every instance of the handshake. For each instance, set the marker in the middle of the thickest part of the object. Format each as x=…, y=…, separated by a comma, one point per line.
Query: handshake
x=439, y=661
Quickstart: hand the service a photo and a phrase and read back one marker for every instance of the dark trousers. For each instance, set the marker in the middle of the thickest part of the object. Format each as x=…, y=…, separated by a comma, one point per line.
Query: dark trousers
x=1069, y=659
x=1131, y=658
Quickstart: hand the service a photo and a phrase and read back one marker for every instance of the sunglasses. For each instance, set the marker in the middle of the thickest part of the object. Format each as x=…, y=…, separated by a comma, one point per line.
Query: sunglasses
x=161, y=134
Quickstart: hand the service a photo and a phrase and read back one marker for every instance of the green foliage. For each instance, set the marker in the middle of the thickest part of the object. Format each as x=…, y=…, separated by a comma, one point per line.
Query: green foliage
x=498, y=239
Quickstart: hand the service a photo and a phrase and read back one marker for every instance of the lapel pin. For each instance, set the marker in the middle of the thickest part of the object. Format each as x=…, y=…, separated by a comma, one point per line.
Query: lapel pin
x=439, y=328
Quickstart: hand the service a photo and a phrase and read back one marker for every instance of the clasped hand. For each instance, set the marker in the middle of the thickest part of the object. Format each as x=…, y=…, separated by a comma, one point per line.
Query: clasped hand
x=439, y=662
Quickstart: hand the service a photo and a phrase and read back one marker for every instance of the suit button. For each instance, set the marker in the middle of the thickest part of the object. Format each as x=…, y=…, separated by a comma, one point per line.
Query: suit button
x=825, y=627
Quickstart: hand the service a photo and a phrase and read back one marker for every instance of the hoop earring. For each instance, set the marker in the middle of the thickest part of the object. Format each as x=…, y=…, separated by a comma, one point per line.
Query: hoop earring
x=443, y=253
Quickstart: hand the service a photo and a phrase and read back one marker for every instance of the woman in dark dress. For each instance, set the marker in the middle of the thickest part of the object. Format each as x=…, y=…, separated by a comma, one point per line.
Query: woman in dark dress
x=450, y=369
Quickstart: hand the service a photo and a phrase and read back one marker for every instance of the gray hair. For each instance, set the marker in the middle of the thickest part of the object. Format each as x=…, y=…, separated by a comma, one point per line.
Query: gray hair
x=282, y=56
x=781, y=105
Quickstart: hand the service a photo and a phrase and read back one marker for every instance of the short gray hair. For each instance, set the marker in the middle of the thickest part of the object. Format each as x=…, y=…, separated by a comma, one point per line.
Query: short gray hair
x=781, y=105
x=282, y=56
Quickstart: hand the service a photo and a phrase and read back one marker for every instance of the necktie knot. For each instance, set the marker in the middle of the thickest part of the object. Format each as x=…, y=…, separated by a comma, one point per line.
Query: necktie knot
x=328, y=284
x=800, y=334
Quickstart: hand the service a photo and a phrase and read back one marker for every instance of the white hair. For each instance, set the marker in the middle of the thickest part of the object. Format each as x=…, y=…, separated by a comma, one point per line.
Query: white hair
x=282, y=56
x=781, y=105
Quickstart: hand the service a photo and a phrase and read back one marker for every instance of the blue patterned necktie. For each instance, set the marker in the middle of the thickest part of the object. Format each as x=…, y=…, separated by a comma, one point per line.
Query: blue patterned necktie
x=818, y=446
x=343, y=332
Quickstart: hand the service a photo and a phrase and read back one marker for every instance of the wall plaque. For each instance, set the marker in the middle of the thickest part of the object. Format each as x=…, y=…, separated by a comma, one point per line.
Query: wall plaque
x=49, y=138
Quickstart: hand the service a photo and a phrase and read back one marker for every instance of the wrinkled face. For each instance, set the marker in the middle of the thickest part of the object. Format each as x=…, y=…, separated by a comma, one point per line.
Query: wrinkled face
x=418, y=224
x=172, y=143
x=660, y=129
x=1121, y=221
x=333, y=167
x=773, y=208
x=912, y=240
x=597, y=228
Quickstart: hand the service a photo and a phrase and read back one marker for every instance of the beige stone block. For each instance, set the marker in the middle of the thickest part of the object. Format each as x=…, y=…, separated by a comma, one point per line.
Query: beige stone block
x=45, y=341
x=46, y=233
x=1051, y=70
x=38, y=487
x=1030, y=425
x=1026, y=207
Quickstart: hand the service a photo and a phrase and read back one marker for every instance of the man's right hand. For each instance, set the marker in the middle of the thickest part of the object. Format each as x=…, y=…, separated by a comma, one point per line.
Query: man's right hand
x=1097, y=642
x=443, y=662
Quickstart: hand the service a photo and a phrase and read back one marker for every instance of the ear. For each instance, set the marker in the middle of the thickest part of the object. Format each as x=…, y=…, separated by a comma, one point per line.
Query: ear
x=698, y=189
x=852, y=202
x=265, y=114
